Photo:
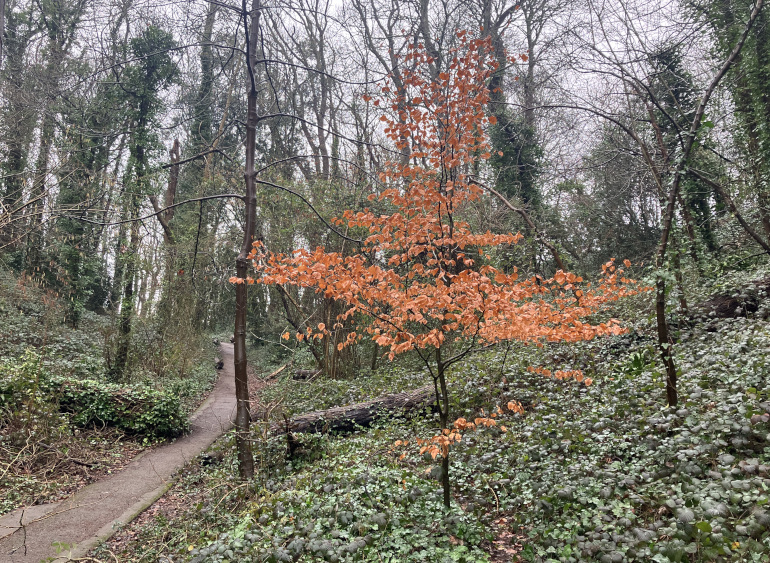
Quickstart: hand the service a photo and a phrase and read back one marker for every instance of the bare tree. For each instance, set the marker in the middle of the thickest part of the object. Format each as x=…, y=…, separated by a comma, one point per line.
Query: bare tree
x=623, y=54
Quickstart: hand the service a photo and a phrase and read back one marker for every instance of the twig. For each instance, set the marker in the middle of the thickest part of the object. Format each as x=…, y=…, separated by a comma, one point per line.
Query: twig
x=497, y=499
x=276, y=372
x=312, y=377
x=524, y=215
x=14, y=460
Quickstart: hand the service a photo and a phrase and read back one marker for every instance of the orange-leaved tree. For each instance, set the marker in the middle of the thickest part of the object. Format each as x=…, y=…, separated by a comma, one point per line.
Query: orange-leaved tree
x=422, y=280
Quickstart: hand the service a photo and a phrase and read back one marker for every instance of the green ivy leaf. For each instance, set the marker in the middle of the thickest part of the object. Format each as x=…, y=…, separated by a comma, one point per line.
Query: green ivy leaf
x=704, y=527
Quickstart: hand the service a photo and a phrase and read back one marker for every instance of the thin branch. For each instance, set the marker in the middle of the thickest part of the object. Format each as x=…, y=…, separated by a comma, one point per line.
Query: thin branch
x=196, y=157
x=469, y=350
x=156, y=212
x=310, y=205
x=527, y=219
x=352, y=163
x=324, y=129
x=322, y=73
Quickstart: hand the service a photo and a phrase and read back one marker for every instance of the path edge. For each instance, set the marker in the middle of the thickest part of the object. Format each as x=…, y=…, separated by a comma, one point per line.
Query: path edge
x=104, y=533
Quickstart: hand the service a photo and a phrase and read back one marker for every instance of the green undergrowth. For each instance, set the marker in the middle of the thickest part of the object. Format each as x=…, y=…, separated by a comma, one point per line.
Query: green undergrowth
x=31, y=388
x=605, y=472
x=33, y=319
x=298, y=397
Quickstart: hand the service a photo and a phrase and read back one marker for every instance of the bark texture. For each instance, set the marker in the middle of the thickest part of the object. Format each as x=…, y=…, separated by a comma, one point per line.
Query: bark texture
x=348, y=418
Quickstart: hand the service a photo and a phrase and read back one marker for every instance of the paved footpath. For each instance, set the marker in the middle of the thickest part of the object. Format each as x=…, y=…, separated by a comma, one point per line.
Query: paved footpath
x=70, y=528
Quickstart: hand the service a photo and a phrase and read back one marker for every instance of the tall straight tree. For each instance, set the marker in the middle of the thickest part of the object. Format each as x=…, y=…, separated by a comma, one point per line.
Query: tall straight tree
x=60, y=22
x=251, y=26
x=153, y=71
x=18, y=120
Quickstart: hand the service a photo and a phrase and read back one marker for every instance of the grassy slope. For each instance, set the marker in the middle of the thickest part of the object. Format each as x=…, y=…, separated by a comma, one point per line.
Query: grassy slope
x=600, y=473
x=43, y=456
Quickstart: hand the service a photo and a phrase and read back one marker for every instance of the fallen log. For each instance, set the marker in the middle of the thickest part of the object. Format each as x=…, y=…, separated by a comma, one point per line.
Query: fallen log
x=348, y=418
x=749, y=301
x=305, y=374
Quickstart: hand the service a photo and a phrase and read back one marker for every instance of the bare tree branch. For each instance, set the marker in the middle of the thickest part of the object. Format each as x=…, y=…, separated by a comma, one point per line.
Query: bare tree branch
x=527, y=219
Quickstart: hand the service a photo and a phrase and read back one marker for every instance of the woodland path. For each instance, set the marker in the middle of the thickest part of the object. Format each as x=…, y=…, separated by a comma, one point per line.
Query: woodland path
x=77, y=524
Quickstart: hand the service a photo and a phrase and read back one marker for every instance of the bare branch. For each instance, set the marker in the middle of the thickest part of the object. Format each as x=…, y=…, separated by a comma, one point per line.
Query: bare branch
x=310, y=205
x=155, y=212
x=731, y=205
x=527, y=219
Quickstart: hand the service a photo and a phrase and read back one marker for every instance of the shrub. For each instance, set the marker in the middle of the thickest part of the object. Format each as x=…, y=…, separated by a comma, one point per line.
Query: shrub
x=137, y=409
x=25, y=410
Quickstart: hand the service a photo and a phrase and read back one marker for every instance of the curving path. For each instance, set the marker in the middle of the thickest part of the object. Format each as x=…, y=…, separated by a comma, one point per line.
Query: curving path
x=70, y=528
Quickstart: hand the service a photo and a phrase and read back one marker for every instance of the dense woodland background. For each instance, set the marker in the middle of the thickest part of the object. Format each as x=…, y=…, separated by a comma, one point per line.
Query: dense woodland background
x=631, y=129
x=113, y=112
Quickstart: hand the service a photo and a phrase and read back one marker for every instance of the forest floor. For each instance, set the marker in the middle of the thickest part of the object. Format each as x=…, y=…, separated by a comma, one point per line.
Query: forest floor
x=68, y=529
x=606, y=472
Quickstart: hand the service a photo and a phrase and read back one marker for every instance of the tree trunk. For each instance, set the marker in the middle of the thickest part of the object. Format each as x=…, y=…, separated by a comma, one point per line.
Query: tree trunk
x=120, y=263
x=442, y=402
x=664, y=338
x=242, y=416
x=680, y=283
x=2, y=29
x=36, y=220
x=665, y=343
x=128, y=303
x=375, y=351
